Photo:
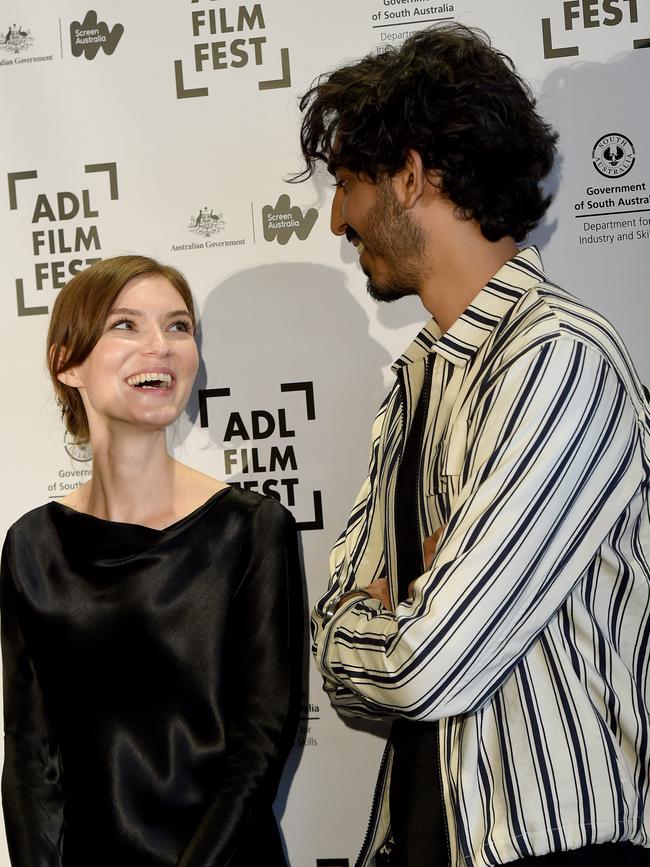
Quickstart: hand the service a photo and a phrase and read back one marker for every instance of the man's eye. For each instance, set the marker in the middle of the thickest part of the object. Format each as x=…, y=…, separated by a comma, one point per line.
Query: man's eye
x=340, y=183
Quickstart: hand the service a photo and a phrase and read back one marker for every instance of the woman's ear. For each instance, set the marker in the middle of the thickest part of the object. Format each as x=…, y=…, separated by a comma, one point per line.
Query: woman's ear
x=67, y=377
x=70, y=377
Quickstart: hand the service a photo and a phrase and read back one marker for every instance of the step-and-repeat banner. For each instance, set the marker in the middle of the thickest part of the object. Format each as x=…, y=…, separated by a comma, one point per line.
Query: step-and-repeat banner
x=169, y=129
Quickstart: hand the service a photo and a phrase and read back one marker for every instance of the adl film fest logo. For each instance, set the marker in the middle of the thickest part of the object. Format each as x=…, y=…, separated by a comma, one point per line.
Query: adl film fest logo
x=233, y=48
x=268, y=468
x=60, y=247
x=578, y=17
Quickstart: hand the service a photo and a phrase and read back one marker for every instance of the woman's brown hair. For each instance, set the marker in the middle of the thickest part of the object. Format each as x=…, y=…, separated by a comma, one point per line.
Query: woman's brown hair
x=78, y=318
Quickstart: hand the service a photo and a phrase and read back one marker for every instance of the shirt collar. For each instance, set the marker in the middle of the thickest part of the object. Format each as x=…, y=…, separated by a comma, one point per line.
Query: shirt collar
x=472, y=328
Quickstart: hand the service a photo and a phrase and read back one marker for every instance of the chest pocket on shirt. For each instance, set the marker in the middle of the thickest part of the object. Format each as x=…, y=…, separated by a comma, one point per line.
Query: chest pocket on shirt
x=443, y=483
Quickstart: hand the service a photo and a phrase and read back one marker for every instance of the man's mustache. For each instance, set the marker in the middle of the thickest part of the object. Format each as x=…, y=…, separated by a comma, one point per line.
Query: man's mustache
x=350, y=234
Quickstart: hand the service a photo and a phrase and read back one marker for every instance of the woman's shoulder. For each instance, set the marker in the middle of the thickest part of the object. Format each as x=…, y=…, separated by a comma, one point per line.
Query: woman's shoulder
x=26, y=534
x=201, y=488
x=30, y=521
x=262, y=510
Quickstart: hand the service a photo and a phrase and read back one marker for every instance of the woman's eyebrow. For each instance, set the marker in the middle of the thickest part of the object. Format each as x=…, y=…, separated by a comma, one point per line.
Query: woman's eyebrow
x=125, y=310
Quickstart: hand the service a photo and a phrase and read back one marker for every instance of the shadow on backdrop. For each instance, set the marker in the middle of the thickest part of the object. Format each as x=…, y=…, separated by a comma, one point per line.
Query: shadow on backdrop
x=296, y=322
x=586, y=101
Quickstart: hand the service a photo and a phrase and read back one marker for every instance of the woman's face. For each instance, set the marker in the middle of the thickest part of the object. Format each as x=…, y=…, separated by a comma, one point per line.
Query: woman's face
x=142, y=368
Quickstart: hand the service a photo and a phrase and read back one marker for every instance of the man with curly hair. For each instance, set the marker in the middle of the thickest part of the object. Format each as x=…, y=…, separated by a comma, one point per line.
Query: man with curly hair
x=491, y=590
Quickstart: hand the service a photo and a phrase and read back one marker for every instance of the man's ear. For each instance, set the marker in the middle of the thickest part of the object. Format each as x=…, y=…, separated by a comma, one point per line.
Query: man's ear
x=409, y=181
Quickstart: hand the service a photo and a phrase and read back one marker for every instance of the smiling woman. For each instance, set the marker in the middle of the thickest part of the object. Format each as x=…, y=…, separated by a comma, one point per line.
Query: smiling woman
x=151, y=619
x=87, y=307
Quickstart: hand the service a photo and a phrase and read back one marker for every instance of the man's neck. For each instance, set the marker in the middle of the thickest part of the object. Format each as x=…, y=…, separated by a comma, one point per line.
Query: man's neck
x=459, y=274
x=458, y=260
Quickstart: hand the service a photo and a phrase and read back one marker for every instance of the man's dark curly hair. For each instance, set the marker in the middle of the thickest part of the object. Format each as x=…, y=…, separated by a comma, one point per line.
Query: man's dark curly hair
x=456, y=100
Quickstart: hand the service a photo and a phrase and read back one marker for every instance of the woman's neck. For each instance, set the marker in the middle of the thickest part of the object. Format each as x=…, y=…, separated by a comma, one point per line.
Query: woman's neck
x=134, y=479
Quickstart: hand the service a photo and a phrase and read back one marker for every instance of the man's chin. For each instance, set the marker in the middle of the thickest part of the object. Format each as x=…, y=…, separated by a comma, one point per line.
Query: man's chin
x=386, y=293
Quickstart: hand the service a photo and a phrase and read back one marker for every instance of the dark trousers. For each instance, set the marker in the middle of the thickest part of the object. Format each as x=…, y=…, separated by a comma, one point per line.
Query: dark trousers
x=603, y=855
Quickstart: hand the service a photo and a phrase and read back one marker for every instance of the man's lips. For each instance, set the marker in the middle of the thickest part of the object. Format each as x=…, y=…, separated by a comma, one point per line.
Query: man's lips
x=354, y=239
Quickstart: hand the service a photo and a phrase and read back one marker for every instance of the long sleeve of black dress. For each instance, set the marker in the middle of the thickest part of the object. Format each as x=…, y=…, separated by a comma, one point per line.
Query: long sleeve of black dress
x=261, y=695
x=152, y=685
x=31, y=778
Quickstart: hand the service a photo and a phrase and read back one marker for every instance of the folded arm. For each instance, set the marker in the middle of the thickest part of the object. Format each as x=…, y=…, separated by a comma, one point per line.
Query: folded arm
x=552, y=460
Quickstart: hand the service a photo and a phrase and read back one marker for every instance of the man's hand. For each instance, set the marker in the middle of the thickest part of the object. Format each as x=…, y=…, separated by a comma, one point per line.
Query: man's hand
x=429, y=551
x=378, y=589
x=429, y=547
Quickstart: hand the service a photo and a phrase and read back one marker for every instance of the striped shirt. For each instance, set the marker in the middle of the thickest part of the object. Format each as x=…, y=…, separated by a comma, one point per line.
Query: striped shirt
x=529, y=637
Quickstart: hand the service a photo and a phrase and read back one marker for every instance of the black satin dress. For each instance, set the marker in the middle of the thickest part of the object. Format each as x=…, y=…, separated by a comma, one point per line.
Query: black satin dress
x=151, y=685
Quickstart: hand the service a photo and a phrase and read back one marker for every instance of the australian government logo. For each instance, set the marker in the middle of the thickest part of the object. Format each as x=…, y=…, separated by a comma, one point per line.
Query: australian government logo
x=227, y=39
x=613, y=155
x=15, y=45
x=63, y=230
x=207, y=224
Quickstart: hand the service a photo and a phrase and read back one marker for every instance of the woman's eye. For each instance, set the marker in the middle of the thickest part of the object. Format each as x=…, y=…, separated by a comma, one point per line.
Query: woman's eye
x=123, y=325
x=182, y=325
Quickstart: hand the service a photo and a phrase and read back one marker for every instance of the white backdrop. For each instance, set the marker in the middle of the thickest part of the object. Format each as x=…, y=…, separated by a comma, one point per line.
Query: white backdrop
x=131, y=120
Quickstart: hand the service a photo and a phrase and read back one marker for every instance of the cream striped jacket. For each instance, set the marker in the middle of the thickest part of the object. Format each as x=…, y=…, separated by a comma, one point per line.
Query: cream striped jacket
x=529, y=637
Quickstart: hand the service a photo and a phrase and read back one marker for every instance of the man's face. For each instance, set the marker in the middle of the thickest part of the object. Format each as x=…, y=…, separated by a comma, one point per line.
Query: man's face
x=389, y=242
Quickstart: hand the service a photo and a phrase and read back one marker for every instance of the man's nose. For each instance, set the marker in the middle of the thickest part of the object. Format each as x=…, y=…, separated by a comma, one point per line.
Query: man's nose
x=337, y=223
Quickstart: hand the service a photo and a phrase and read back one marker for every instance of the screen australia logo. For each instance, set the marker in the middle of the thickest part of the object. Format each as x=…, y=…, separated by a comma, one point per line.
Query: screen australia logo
x=281, y=220
x=91, y=36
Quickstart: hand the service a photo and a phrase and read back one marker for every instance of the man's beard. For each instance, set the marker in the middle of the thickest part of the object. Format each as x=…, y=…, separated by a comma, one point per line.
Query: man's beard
x=393, y=235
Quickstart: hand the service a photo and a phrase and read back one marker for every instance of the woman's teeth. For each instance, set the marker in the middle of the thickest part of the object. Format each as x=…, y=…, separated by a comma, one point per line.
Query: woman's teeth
x=162, y=380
